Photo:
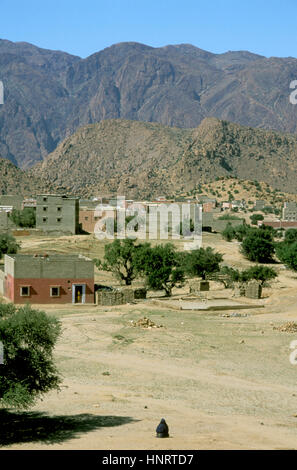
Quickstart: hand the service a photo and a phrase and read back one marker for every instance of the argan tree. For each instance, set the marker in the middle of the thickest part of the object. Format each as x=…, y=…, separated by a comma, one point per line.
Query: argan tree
x=25, y=217
x=161, y=267
x=8, y=244
x=28, y=337
x=258, y=246
x=121, y=257
x=202, y=262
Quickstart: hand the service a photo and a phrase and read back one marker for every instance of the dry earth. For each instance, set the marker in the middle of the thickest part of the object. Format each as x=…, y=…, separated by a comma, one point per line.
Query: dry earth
x=220, y=382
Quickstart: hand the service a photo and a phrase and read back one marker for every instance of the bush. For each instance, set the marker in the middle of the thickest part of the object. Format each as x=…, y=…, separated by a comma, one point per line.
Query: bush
x=229, y=217
x=8, y=244
x=255, y=217
x=28, y=337
x=258, y=246
x=201, y=262
x=287, y=254
x=291, y=235
x=228, y=233
x=24, y=218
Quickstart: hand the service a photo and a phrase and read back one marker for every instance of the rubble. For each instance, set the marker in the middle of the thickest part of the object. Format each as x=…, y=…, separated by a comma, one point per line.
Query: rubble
x=289, y=327
x=145, y=323
x=234, y=314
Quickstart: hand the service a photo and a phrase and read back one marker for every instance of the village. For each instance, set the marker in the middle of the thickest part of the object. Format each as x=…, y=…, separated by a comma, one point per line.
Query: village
x=215, y=345
x=54, y=278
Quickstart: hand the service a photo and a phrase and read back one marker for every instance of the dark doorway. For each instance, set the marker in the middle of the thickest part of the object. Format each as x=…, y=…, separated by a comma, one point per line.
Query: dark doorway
x=78, y=294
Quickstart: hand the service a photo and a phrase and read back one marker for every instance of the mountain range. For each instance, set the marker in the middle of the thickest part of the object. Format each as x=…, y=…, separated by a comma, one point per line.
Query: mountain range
x=49, y=95
x=143, y=160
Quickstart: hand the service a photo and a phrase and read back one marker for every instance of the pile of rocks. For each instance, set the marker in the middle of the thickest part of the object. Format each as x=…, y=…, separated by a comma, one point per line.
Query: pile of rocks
x=290, y=327
x=145, y=323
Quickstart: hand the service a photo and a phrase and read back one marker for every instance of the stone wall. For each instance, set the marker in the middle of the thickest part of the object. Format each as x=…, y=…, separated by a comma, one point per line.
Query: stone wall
x=199, y=286
x=253, y=290
x=119, y=296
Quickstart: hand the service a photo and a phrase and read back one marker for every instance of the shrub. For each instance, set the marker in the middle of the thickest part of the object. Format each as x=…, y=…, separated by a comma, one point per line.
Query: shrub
x=8, y=244
x=258, y=246
x=28, y=337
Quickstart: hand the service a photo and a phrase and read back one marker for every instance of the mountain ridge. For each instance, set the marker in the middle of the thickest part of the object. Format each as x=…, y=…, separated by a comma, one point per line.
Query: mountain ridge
x=50, y=94
x=142, y=160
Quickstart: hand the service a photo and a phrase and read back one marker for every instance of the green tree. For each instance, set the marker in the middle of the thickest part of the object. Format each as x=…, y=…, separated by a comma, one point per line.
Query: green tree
x=260, y=273
x=255, y=217
x=8, y=244
x=24, y=218
x=202, y=262
x=231, y=275
x=229, y=217
x=287, y=254
x=291, y=235
x=258, y=246
x=161, y=267
x=241, y=231
x=228, y=233
x=121, y=257
x=28, y=337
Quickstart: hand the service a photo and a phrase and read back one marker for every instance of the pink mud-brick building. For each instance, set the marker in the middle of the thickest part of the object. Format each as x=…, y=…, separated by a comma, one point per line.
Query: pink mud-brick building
x=47, y=279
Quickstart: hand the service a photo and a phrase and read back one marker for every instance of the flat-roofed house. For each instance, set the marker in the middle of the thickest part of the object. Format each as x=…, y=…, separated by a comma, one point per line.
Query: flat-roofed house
x=47, y=279
x=57, y=213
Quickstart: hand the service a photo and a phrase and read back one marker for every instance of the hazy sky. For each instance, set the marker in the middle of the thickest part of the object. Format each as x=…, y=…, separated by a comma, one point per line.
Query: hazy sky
x=84, y=27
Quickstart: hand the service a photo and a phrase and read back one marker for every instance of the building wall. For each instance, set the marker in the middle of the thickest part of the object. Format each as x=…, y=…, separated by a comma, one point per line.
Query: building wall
x=43, y=272
x=57, y=213
x=208, y=206
x=40, y=290
x=50, y=267
x=2, y=282
x=88, y=220
x=11, y=200
x=5, y=221
x=280, y=224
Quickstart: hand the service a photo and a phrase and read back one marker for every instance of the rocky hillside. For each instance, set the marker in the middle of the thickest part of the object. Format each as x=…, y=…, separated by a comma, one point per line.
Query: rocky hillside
x=145, y=160
x=50, y=94
x=16, y=181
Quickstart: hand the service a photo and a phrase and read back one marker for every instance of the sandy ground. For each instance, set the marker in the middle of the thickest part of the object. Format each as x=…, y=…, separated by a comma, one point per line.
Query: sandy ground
x=220, y=382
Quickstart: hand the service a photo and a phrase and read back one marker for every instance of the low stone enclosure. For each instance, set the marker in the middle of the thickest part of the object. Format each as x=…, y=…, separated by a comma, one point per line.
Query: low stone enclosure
x=119, y=296
x=251, y=289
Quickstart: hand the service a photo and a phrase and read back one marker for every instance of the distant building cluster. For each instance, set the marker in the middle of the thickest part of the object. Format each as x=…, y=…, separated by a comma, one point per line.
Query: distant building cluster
x=70, y=278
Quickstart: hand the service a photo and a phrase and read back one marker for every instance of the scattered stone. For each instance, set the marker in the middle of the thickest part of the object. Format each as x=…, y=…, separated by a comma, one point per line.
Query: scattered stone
x=145, y=323
x=242, y=341
x=106, y=373
x=289, y=327
x=234, y=314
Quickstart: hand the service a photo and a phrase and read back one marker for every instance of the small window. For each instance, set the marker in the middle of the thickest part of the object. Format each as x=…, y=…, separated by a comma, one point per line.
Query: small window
x=44, y=199
x=59, y=209
x=86, y=218
x=44, y=208
x=25, y=291
x=55, y=291
x=44, y=220
x=59, y=219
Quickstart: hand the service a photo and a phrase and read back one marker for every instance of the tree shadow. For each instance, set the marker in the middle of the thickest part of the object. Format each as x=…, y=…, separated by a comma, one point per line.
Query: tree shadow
x=38, y=427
